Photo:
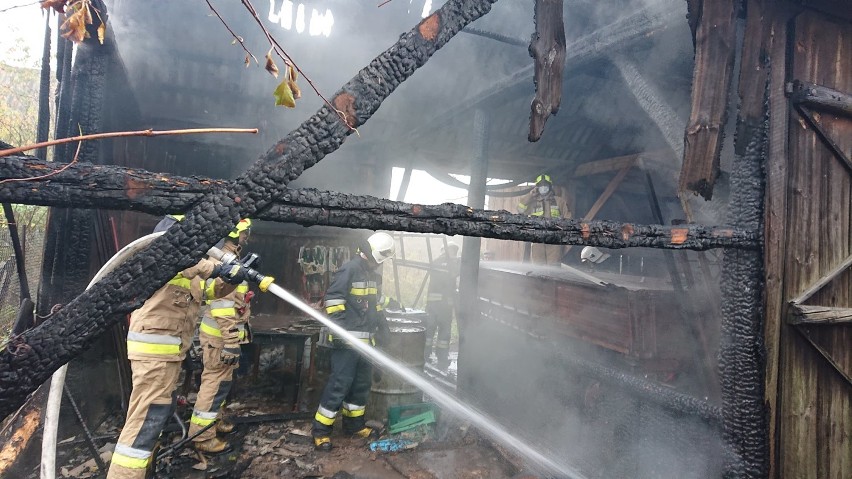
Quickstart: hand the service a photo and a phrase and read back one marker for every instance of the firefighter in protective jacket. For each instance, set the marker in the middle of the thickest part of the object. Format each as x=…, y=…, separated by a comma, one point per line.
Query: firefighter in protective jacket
x=223, y=328
x=545, y=201
x=352, y=301
x=160, y=334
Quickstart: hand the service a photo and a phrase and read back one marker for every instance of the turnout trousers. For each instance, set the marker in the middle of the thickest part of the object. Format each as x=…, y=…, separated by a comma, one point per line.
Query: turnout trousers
x=216, y=380
x=152, y=402
x=346, y=392
x=439, y=318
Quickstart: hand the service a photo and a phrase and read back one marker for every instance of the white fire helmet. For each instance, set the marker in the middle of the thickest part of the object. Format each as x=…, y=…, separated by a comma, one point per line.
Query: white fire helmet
x=381, y=246
x=593, y=255
x=451, y=249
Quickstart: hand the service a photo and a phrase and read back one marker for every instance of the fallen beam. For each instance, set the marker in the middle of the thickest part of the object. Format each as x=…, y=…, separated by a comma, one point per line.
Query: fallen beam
x=85, y=185
x=43, y=349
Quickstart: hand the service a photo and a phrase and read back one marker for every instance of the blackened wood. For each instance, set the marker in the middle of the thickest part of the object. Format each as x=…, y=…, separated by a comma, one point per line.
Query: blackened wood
x=70, y=331
x=67, y=256
x=101, y=186
x=711, y=82
x=548, y=50
x=806, y=314
x=762, y=63
x=43, y=125
x=742, y=361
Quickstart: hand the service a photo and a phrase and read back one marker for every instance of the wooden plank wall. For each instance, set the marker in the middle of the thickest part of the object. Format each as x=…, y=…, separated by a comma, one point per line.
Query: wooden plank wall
x=814, y=417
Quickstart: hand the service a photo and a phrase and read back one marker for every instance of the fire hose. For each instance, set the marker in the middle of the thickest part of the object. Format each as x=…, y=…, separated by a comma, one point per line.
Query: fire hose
x=525, y=448
x=57, y=381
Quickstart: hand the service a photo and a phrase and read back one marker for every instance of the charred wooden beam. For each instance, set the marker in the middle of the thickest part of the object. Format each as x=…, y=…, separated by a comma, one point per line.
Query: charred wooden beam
x=667, y=120
x=820, y=97
x=805, y=314
x=85, y=185
x=518, y=42
x=742, y=352
x=711, y=84
x=548, y=49
x=43, y=349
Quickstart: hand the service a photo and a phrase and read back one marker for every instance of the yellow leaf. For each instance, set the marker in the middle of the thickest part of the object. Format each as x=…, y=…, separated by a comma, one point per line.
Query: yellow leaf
x=297, y=93
x=101, y=32
x=284, y=95
x=270, y=65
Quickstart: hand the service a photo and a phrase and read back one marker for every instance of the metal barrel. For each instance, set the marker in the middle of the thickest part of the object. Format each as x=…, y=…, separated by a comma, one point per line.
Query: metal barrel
x=406, y=343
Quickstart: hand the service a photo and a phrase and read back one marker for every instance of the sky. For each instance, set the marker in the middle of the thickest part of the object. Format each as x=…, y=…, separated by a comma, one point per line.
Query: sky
x=22, y=27
x=23, y=43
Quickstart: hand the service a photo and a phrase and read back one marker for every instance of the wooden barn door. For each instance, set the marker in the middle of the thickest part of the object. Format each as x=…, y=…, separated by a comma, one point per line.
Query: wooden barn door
x=815, y=370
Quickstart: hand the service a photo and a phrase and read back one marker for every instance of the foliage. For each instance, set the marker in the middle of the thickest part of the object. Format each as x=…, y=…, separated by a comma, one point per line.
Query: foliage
x=18, y=125
x=18, y=104
x=78, y=14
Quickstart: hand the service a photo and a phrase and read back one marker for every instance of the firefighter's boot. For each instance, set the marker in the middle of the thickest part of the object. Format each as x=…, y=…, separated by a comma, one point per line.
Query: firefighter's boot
x=224, y=426
x=211, y=446
x=366, y=433
x=322, y=443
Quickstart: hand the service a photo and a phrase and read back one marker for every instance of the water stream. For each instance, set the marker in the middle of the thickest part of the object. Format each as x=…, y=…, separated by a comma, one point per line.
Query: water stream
x=535, y=459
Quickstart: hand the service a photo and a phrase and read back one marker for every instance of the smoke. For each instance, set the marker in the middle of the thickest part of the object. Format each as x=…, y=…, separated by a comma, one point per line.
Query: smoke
x=561, y=378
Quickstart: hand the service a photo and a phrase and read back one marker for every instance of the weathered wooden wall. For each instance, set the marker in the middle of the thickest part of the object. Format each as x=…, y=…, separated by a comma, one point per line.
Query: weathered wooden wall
x=810, y=401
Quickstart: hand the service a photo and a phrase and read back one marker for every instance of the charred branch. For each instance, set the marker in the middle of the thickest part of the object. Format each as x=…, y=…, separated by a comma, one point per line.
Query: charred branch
x=66, y=334
x=548, y=50
x=84, y=185
x=711, y=84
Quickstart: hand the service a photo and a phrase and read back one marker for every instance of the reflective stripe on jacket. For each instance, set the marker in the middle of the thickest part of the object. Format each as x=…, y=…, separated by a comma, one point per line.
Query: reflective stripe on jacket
x=352, y=298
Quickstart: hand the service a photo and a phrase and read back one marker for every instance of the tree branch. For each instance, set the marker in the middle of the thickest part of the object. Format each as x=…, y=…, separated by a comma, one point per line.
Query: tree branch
x=71, y=330
x=117, y=134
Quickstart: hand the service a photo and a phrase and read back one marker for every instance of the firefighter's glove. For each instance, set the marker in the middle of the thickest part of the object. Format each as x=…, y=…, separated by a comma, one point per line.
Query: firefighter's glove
x=231, y=273
x=230, y=355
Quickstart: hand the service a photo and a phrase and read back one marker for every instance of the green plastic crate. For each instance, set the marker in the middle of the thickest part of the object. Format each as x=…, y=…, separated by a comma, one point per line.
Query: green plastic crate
x=405, y=417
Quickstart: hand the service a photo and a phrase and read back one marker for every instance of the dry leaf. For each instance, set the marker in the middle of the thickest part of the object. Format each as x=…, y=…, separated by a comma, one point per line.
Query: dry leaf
x=248, y=60
x=101, y=32
x=86, y=12
x=294, y=75
x=284, y=95
x=270, y=65
x=58, y=5
x=297, y=93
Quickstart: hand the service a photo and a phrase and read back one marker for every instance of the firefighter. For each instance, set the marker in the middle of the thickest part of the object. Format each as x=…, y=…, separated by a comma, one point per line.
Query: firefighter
x=160, y=334
x=223, y=329
x=440, y=303
x=544, y=201
x=352, y=302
